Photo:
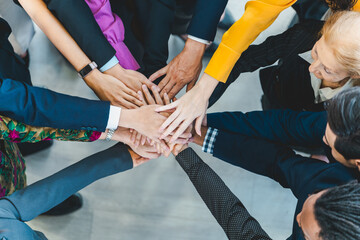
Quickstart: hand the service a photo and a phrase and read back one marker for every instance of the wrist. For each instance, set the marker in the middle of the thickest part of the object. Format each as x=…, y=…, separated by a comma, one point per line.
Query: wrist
x=207, y=85
x=92, y=77
x=195, y=47
x=127, y=118
x=116, y=71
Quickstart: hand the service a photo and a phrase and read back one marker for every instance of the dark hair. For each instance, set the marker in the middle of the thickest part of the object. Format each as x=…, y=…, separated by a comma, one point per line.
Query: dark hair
x=337, y=212
x=344, y=120
x=338, y=5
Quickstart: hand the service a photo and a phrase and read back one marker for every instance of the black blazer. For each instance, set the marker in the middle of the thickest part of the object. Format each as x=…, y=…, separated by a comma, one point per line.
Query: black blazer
x=258, y=142
x=227, y=209
x=289, y=82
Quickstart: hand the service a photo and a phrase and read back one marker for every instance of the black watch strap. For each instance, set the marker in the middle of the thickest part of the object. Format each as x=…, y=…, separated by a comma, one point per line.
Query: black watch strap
x=87, y=69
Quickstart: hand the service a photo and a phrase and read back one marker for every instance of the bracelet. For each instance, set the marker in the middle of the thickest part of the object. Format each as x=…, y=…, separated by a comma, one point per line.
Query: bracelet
x=87, y=69
x=110, y=134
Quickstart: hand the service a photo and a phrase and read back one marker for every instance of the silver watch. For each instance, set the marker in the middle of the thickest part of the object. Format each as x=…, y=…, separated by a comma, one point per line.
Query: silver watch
x=109, y=134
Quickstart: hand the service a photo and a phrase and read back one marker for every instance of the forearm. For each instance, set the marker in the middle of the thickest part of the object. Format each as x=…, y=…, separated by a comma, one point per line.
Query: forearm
x=280, y=126
x=47, y=193
x=42, y=107
x=14, y=131
x=258, y=16
x=223, y=204
x=57, y=34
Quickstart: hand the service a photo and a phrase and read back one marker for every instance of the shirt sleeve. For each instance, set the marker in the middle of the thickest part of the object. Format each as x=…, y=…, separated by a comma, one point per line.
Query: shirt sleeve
x=114, y=117
x=258, y=16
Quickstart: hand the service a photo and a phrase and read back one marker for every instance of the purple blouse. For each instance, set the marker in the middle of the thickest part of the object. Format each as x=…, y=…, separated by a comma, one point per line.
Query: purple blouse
x=114, y=31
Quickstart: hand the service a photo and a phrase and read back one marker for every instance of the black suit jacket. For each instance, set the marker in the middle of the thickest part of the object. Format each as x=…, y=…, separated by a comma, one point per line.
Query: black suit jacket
x=227, y=209
x=258, y=142
x=289, y=82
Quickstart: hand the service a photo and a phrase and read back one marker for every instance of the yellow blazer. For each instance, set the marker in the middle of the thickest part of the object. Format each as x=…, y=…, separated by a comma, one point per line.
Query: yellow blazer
x=259, y=15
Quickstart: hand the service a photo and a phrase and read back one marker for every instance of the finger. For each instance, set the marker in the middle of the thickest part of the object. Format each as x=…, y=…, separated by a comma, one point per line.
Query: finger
x=172, y=127
x=164, y=82
x=164, y=146
x=142, y=97
x=143, y=140
x=138, y=139
x=166, y=99
x=126, y=104
x=184, y=135
x=198, y=122
x=131, y=130
x=204, y=121
x=167, y=107
x=148, y=83
x=177, y=148
x=172, y=93
x=190, y=85
x=169, y=120
x=156, y=94
x=133, y=137
x=167, y=88
x=150, y=100
x=158, y=148
x=180, y=130
x=133, y=100
x=159, y=73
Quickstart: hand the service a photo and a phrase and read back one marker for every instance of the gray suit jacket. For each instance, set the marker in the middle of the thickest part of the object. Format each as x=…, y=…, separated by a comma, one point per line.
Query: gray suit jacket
x=26, y=204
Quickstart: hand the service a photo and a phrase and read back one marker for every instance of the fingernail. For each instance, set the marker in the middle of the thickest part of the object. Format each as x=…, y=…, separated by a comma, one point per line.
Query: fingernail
x=144, y=86
x=158, y=89
x=165, y=94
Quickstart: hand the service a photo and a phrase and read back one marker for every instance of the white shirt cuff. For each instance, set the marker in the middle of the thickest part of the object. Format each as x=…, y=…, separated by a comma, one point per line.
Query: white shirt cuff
x=199, y=40
x=112, y=62
x=114, y=117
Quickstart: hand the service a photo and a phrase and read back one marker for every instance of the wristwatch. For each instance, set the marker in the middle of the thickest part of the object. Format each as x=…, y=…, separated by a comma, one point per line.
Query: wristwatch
x=110, y=134
x=87, y=69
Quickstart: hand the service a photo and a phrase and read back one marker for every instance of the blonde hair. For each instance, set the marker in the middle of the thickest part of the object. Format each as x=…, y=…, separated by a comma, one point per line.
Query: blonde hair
x=342, y=34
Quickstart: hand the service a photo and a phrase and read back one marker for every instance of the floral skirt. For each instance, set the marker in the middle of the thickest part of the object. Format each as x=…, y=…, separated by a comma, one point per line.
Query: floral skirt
x=12, y=169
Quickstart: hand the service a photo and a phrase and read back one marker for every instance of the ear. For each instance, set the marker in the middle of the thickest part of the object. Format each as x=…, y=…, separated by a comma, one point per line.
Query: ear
x=357, y=164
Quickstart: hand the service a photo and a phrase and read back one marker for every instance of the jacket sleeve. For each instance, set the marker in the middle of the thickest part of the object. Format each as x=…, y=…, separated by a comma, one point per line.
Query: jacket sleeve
x=79, y=21
x=281, y=126
x=14, y=131
x=227, y=209
x=49, y=192
x=298, y=39
x=206, y=18
x=42, y=107
x=258, y=15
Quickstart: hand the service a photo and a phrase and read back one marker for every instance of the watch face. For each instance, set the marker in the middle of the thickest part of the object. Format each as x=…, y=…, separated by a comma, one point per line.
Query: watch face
x=87, y=69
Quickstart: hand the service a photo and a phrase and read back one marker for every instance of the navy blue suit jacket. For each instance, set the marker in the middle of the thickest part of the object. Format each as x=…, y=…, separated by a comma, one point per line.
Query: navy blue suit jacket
x=42, y=107
x=258, y=142
x=26, y=204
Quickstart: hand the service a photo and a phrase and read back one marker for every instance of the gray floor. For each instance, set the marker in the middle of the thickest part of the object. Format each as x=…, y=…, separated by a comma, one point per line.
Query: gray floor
x=156, y=200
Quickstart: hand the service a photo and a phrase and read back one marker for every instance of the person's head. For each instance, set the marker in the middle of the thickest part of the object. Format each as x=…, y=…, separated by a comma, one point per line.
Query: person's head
x=336, y=54
x=342, y=132
x=340, y=5
x=332, y=214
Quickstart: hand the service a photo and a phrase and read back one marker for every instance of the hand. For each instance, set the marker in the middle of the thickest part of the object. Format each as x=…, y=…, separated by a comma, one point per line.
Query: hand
x=144, y=120
x=137, y=159
x=189, y=107
x=183, y=69
x=124, y=135
x=130, y=78
x=108, y=88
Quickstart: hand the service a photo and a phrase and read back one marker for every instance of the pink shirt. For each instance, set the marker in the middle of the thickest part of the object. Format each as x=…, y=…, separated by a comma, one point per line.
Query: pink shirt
x=114, y=31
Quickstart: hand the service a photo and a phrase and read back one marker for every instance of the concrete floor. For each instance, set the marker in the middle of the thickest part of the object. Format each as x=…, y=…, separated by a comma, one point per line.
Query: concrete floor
x=156, y=200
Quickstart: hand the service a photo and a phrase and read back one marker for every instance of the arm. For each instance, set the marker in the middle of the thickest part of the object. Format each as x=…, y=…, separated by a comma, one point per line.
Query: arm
x=227, y=209
x=298, y=39
x=281, y=126
x=43, y=195
x=258, y=16
x=105, y=86
x=14, y=131
x=42, y=107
